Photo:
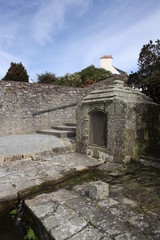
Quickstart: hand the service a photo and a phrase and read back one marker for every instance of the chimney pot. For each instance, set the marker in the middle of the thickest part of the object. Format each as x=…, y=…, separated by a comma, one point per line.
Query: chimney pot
x=106, y=56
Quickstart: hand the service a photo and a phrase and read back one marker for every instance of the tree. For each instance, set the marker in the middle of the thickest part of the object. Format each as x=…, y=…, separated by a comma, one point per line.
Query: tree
x=47, y=78
x=148, y=75
x=17, y=73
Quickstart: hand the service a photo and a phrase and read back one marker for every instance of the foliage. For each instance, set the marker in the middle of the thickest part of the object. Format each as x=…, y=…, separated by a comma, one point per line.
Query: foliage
x=47, y=78
x=83, y=78
x=73, y=80
x=88, y=82
x=148, y=75
x=92, y=74
x=30, y=235
x=14, y=212
x=17, y=73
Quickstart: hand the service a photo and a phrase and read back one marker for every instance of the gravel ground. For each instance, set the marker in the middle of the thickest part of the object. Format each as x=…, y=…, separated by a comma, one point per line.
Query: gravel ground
x=19, y=144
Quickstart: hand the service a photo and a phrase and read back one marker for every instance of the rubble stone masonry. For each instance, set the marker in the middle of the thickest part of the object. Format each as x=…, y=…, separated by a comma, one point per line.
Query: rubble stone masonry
x=18, y=102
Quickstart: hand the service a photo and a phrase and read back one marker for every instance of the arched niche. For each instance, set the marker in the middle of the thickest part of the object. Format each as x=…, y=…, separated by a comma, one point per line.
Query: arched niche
x=98, y=127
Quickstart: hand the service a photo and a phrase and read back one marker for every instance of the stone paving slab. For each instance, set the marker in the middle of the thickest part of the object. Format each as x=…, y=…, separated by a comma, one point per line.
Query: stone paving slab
x=23, y=178
x=73, y=215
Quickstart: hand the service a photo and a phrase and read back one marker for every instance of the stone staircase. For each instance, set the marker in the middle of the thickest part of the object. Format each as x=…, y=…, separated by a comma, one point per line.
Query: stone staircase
x=68, y=130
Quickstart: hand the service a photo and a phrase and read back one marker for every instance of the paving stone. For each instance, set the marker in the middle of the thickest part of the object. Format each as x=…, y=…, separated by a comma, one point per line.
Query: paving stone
x=122, y=211
x=82, y=190
x=107, y=203
x=129, y=202
x=51, y=175
x=38, y=200
x=146, y=224
x=8, y=197
x=64, y=223
x=74, y=160
x=25, y=185
x=108, y=223
x=155, y=230
x=68, y=228
x=7, y=192
x=132, y=235
x=59, y=217
x=50, y=222
x=63, y=195
x=139, y=221
x=44, y=209
x=83, y=206
x=88, y=233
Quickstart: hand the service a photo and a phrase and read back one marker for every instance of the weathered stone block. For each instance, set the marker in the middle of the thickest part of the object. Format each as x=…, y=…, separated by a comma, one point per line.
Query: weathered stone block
x=98, y=190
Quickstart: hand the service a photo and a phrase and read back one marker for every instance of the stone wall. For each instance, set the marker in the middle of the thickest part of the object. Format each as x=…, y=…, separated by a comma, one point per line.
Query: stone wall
x=18, y=102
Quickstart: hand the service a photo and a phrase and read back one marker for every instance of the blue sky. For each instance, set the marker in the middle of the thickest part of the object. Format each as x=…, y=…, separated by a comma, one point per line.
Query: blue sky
x=65, y=36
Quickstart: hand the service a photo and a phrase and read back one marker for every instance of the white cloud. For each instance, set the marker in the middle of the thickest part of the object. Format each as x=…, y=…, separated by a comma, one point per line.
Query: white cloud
x=48, y=20
x=51, y=17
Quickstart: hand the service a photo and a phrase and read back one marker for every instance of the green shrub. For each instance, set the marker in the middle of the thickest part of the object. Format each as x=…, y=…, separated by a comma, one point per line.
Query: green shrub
x=47, y=78
x=73, y=80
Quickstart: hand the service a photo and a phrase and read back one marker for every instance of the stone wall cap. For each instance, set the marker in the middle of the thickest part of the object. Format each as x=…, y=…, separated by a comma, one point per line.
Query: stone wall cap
x=118, y=82
x=118, y=91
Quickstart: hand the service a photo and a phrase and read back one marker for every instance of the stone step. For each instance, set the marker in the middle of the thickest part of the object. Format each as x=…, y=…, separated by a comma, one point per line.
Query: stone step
x=57, y=133
x=66, y=128
x=71, y=124
x=150, y=161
